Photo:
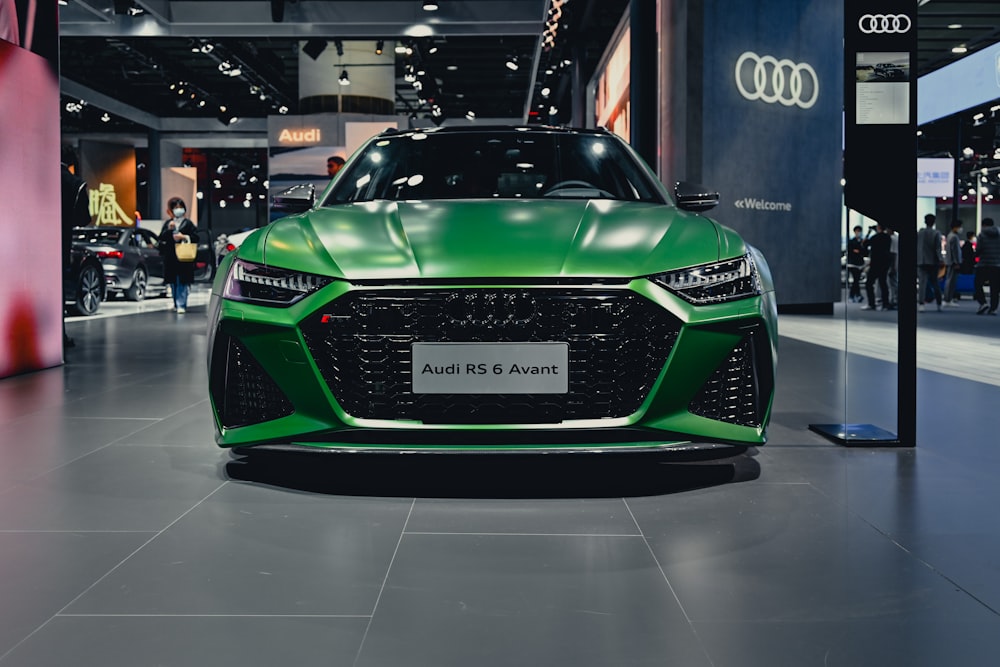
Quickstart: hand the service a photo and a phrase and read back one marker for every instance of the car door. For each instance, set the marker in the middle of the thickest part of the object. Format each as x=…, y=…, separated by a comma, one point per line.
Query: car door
x=149, y=248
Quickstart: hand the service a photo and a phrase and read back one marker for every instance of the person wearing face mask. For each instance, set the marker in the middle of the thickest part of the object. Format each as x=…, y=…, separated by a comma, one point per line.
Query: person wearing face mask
x=177, y=228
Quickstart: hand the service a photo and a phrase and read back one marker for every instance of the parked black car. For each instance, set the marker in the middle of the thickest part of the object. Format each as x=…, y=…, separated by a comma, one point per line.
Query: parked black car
x=83, y=282
x=130, y=257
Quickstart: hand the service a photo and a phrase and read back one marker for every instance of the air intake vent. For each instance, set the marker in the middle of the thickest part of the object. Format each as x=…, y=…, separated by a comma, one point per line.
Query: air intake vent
x=243, y=392
x=736, y=390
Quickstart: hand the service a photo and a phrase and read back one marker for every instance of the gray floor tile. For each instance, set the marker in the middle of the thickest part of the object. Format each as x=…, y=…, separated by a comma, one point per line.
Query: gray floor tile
x=190, y=641
x=192, y=426
x=539, y=516
x=257, y=550
x=786, y=553
x=864, y=642
x=37, y=443
x=116, y=488
x=40, y=573
x=536, y=600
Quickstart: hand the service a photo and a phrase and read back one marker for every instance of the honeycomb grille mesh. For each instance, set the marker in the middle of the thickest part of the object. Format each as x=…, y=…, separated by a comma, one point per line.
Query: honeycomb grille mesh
x=731, y=393
x=618, y=343
x=248, y=394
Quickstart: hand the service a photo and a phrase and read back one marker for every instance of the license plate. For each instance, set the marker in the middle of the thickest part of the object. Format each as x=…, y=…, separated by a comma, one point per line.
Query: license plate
x=490, y=368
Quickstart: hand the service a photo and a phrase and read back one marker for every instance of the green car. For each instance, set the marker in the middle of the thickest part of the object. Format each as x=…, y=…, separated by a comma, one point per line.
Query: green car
x=493, y=289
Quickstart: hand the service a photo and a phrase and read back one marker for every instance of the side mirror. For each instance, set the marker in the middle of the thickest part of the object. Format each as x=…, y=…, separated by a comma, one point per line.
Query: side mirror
x=296, y=199
x=694, y=197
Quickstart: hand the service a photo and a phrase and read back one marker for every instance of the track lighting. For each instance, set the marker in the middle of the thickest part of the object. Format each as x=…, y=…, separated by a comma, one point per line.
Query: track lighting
x=314, y=47
x=511, y=64
x=344, y=80
x=430, y=6
x=339, y=46
x=378, y=47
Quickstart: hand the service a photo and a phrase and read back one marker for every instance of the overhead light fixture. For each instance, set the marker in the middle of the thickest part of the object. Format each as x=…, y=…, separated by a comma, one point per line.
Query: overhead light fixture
x=433, y=49
x=378, y=47
x=546, y=91
x=314, y=47
x=954, y=26
x=105, y=117
x=511, y=64
x=339, y=45
x=430, y=6
x=344, y=80
x=961, y=48
x=452, y=67
x=400, y=49
x=470, y=114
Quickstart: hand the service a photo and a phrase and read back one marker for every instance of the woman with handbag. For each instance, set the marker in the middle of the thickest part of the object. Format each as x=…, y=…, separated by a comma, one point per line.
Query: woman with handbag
x=178, y=246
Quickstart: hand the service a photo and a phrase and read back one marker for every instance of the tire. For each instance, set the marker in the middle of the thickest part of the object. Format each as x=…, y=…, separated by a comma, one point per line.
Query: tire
x=89, y=289
x=139, y=287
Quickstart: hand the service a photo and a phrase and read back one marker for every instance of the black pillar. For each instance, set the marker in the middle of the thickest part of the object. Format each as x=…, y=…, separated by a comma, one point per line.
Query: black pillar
x=155, y=188
x=643, y=81
x=880, y=147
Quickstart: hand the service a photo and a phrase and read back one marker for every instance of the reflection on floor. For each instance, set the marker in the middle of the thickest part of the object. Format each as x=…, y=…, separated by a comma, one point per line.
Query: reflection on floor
x=128, y=538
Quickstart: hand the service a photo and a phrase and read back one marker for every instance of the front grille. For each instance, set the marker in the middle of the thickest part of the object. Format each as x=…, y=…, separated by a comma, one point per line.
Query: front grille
x=735, y=392
x=618, y=343
x=243, y=392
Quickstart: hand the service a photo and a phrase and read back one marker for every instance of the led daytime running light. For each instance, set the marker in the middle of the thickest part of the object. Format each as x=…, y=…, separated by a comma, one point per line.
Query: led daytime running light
x=256, y=283
x=714, y=283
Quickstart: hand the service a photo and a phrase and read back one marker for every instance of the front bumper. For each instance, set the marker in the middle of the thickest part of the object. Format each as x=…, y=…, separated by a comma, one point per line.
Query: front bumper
x=648, y=371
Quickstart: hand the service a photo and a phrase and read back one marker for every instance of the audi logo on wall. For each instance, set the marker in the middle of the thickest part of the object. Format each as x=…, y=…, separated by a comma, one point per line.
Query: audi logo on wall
x=884, y=24
x=770, y=80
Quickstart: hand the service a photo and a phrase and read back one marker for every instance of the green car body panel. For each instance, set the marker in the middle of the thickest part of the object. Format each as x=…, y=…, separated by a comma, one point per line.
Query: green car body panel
x=579, y=244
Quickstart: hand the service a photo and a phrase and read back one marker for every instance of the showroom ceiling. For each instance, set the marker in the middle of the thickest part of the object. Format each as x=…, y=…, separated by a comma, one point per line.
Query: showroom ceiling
x=130, y=59
x=123, y=56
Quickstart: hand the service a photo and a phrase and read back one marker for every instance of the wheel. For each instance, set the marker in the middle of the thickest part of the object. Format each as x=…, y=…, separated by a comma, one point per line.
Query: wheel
x=88, y=291
x=137, y=290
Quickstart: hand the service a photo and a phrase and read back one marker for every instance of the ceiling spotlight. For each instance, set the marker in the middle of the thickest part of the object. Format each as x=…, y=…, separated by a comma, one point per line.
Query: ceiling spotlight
x=546, y=91
x=207, y=48
x=339, y=46
x=961, y=48
x=430, y=6
x=470, y=114
x=105, y=117
x=511, y=64
x=400, y=49
x=378, y=47
x=954, y=26
x=344, y=80
x=452, y=68
x=553, y=110
x=433, y=49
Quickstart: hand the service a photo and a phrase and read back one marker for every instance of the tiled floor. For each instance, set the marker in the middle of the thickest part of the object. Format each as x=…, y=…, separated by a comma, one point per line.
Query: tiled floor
x=128, y=539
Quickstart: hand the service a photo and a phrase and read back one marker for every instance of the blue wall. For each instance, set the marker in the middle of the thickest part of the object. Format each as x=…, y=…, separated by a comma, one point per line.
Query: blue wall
x=777, y=167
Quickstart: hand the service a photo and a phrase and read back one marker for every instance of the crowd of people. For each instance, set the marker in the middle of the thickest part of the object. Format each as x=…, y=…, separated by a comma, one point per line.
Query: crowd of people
x=872, y=261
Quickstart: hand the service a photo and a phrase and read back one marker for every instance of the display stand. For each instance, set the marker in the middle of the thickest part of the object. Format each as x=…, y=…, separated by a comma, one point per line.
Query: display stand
x=857, y=435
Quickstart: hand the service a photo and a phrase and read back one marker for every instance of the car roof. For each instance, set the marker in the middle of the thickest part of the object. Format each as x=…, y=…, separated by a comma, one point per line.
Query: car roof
x=487, y=129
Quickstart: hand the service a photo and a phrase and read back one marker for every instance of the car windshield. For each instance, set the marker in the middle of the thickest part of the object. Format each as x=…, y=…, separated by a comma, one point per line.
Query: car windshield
x=98, y=235
x=495, y=164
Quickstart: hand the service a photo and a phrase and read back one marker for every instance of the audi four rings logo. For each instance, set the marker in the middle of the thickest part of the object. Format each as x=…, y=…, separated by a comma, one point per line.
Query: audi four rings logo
x=770, y=80
x=882, y=24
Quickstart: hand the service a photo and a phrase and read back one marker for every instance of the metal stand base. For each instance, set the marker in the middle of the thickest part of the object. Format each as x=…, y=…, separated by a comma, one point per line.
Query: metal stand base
x=857, y=435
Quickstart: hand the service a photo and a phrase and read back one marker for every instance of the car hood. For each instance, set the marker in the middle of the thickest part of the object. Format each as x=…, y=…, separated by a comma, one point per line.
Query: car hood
x=510, y=239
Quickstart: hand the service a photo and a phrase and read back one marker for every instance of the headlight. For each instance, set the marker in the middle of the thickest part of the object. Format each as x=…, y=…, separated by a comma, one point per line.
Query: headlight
x=713, y=283
x=268, y=285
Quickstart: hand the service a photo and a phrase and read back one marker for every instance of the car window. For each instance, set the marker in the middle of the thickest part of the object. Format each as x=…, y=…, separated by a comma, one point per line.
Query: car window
x=146, y=239
x=99, y=235
x=493, y=165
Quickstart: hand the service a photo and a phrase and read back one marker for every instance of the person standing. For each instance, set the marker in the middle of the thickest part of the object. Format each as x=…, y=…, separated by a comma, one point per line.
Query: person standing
x=953, y=260
x=928, y=261
x=988, y=269
x=75, y=213
x=879, y=249
x=969, y=254
x=856, y=253
x=177, y=228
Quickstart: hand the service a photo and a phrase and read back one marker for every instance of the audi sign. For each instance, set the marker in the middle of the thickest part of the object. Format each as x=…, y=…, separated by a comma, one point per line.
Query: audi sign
x=771, y=80
x=884, y=24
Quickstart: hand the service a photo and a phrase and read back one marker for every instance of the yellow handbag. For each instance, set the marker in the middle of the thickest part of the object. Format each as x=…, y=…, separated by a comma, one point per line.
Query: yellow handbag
x=186, y=251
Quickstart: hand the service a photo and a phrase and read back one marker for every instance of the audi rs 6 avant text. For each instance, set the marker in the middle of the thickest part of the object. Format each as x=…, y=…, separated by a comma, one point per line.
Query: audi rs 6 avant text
x=488, y=289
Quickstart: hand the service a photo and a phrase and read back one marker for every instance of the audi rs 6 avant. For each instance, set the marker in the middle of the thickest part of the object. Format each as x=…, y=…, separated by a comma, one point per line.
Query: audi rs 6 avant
x=491, y=289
